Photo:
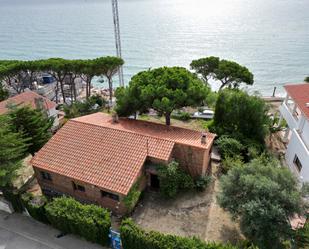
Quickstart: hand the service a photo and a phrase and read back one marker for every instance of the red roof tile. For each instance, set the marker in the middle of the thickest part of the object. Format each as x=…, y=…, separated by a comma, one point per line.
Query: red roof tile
x=300, y=94
x=110, y=155
x=170, y=133
x=26, y=98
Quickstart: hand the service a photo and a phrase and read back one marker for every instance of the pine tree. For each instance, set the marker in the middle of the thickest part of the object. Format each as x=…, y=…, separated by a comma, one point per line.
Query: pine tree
x=13, y=149
x=33, y=124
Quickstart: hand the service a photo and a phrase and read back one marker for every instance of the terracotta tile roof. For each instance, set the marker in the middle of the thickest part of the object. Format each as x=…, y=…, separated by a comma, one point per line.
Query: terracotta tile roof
x=300, y=94
x=107, y=158
x=26, y=98
x=169, y=133
x=110, y=155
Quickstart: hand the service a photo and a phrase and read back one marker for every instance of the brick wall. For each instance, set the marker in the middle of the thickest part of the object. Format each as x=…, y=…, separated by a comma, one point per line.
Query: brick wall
x=192, y=159
x=92, y=194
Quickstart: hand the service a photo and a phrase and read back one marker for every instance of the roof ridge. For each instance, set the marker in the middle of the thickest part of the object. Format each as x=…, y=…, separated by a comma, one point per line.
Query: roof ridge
x=125, y=131
x=143, y=135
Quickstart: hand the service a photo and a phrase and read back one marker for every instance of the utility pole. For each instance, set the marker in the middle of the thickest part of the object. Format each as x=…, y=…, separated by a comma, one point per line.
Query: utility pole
x=117, y=38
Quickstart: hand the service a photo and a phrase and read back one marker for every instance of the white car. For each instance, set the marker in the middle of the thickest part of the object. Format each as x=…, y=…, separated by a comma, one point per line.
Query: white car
x=206, y=114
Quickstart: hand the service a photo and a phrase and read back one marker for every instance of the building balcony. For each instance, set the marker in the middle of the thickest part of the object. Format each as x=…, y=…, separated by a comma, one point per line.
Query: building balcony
x=291, y=119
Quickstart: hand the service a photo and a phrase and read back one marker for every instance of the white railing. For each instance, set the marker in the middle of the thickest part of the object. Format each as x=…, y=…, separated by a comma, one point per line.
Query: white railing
x=288, y=116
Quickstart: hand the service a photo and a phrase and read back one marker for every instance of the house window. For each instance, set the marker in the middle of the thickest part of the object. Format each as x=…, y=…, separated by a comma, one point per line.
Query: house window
x=297, y=163
x=46, y=176
x=78, y=187
x=109, y=195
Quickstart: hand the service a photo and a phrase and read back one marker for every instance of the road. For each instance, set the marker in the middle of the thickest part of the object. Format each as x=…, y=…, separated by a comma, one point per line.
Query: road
x=21, y=232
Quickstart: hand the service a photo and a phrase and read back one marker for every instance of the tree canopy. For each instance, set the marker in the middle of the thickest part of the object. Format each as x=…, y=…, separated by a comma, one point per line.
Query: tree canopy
x=163, y=89
x=262, y=195
x=13, y=148
x=241, y=116
x=229, y=73
x=307, y=79
x=4, y=93
x=20, y=75
x=33, y=124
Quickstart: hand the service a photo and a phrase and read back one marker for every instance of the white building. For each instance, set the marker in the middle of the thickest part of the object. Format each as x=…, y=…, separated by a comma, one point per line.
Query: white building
x=34, y=100
x=295, y=110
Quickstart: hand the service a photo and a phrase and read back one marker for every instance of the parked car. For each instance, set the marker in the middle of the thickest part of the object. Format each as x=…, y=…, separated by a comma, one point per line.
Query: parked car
x=206, y=114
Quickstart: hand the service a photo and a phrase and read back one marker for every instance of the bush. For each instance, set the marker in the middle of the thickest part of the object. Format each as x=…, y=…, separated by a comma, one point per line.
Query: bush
x=301, y=237
x=88, y=221
x=231, y=162
x=202, y=182
x=229, y=147
x=183, y=116
x=132, y=198
x=172, y=179
x=133, y=237
x=35, y=206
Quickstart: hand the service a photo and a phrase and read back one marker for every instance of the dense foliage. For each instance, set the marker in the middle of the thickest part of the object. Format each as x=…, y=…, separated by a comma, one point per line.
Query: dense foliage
x=13, y=148
x=163, y=89
x=22, y=74
x=35, y=206
x=93, y=104
x=133, y=237
x=262, y=195
x=133, y=196
x=34, y=124
x=301, y=237
x=307, y=79
x=4, y=93
x=241, y=116
x=70, y=216
x=229, y=147
x=229, y=73
x=173, y=179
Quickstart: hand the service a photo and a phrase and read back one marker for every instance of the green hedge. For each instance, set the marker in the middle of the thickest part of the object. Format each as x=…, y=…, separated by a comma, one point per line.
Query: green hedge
x=88, y=221
x=133, y=237
x=35, y=206
x=14, y=198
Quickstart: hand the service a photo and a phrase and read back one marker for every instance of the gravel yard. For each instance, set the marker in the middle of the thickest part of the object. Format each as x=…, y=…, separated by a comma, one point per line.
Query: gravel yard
x=190, y=214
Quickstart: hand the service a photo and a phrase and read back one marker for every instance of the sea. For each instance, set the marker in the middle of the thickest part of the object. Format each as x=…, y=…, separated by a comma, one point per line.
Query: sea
x=270, y=37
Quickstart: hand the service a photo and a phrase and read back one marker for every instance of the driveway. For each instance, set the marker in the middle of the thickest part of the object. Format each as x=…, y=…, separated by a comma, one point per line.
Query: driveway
x=21, y=232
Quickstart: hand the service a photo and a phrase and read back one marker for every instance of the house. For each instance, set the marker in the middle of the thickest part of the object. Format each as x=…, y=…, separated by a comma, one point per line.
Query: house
x=97, y=158
x=34, y=100
x=295, y=111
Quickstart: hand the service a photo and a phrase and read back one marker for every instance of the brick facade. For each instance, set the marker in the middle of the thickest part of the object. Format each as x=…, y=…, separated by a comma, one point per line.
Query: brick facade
x=61, y=185
x=193, y=160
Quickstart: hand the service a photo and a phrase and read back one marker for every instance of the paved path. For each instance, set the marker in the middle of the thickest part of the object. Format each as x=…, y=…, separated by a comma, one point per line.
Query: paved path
x=21, y=232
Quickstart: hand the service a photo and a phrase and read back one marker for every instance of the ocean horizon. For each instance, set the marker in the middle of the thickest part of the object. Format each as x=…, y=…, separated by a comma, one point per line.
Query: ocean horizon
x=269, y=37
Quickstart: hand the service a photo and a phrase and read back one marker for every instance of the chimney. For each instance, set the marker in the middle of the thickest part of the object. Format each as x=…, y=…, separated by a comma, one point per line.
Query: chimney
x=115, y=118
x=203, y=138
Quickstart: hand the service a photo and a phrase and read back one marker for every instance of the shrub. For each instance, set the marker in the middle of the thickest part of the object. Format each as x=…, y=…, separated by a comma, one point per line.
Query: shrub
x=35, y=206
x=132, y=198
x=172, y=179
x=231, y=162
x=301, y=237
x=202, y=182
x=88, y=221
x=183, y=116
x=133, y=237
x=229, y=147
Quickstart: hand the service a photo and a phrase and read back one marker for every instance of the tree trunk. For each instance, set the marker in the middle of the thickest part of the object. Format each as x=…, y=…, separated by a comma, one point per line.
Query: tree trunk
x=168, y=119
x=57, y=92
x=110, y=86
x=62, y=91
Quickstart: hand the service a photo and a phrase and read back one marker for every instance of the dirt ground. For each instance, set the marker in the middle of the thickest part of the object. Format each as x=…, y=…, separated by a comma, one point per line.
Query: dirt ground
x=190, y=214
